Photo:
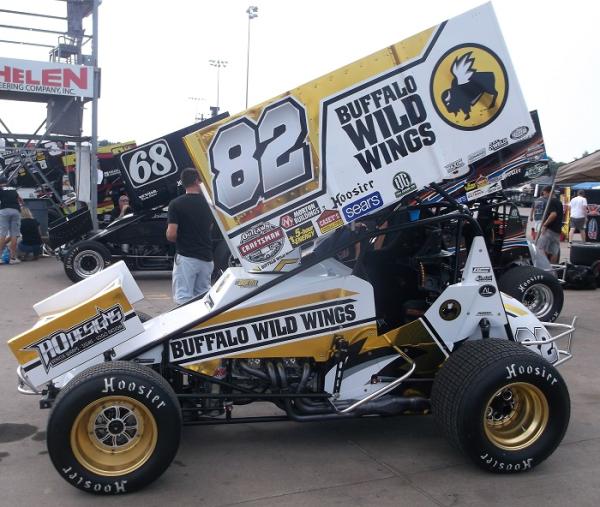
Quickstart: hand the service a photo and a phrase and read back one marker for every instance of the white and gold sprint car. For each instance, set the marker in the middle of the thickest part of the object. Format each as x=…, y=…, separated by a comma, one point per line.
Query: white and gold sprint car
x=325, y=319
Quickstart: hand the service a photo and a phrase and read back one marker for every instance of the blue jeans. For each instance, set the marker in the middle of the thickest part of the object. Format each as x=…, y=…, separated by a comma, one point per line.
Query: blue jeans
x=191, y=278
x=29, y=249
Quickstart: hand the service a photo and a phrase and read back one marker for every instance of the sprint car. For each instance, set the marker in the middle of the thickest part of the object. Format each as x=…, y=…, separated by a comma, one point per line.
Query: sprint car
x=410, y=327
x=403, y=332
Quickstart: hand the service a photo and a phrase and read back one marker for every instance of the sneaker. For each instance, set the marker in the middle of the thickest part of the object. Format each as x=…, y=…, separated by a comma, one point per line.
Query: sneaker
x=15, y=261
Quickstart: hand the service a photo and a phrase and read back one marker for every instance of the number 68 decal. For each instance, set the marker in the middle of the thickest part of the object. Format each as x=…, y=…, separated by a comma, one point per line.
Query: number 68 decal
x=254, y=161
x=149, y=163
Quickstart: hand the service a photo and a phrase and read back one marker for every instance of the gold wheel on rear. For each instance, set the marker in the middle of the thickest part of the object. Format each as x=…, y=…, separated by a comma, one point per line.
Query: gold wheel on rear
x=114, y=436
x=516, y=416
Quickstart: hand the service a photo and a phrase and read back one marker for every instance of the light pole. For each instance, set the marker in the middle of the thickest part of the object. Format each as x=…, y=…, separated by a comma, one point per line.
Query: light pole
x=218, y=64
x=252, y=12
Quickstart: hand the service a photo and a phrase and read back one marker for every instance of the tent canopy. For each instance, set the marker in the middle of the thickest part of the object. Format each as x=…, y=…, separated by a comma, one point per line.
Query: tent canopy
x=579, y=171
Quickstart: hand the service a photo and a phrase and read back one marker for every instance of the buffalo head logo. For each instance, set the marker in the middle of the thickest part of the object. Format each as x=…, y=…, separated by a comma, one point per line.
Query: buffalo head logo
x=468, y=86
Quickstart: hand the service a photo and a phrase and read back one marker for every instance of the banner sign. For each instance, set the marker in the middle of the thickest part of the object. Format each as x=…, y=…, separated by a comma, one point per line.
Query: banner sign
x=289, y=170
x=46, y=78
x=515, y=165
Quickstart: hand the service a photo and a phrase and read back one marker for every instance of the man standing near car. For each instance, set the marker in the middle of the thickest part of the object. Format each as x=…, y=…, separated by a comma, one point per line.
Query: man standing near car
x=189, y=227
x=579, y=211
x=549, y=241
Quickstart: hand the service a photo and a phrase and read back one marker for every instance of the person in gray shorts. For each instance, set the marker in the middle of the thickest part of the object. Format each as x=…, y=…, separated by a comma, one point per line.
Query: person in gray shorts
x=189, y=226
x=10, y=219
x=579, y=211
x=549, y=241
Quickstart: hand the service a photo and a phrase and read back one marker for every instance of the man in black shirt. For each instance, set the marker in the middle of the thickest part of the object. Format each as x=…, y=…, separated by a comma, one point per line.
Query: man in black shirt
x=189, y=226
x=549, y=241
x=10, y=219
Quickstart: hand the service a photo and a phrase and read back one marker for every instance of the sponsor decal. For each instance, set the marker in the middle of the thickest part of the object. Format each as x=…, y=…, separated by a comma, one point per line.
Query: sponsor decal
x=519, y=132
x=300, y=215
x=66, y=343
x=454, y=166
x=487, y=291
x=515, y=371
x=363, y=206
x=469, y=86
x=261, y=243
x=500, y=465
x=484, y=278
x=498, y=144
x=484, y=314
x=263, y=330
x=79, y=480
x=329, y=220
x=472, y=185
x=403, y=184
x=535, y=153
x=302, y=234
x=485, y=190
x=482, y=269
x=247, y=283
x=385, y=122
x=360, y=188
x=536, y=170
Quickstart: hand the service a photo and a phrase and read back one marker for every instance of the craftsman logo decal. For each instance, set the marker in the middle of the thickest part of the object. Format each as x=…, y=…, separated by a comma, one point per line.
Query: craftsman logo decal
x=264, y=330
x=300, y=215
x=261, y=243
x=403, y=184
x=469, y=86
x=329, y=220
x=302, y=234
x=64, y=344
x=487, y=291
x=363, y=206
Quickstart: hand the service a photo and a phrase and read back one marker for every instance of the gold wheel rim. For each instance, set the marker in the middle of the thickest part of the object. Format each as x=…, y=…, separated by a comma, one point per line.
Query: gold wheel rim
x=516, y=416
x=114, y=436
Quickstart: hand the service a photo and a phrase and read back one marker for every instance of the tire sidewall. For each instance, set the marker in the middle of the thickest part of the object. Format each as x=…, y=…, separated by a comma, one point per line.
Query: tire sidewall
x=79, y=248
x=154, y=397
x=528, y=369
x=518, y=290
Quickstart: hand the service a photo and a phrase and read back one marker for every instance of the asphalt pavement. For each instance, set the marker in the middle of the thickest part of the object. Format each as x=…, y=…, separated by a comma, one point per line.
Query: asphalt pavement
x=400, y=461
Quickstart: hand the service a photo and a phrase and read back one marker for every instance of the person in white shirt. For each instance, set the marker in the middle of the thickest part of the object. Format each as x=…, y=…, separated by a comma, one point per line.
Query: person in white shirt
x=579, y=211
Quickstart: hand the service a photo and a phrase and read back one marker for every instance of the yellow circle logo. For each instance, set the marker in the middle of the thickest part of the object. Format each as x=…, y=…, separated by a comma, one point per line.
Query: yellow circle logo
x=469, y=86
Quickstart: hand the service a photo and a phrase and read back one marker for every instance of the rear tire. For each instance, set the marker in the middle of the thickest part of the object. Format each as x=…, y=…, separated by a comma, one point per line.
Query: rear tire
x=114, y=428
x=535, y=288
x=584, y=254
x=503, y=406
x=84, y=259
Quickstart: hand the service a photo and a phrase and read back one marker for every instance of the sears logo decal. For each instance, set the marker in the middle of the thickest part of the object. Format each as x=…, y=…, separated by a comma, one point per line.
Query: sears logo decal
x=64, y=344
x=149, y=163
x=302, y=234
x=403, y=184
x=487, y=291
x=252, y=162
x=469, y=86
x=300, y=215
x=363, y=206
x=264, y=330
x=261, y=243
x=519, y=132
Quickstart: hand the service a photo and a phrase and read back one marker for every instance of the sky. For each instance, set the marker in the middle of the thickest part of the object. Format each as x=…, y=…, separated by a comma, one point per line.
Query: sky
x=156, y=77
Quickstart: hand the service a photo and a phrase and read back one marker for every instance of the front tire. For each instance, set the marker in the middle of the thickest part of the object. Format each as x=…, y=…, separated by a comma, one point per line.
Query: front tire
x=503, y=406
x=114, y=428
x=535, y=288
x=85, y=259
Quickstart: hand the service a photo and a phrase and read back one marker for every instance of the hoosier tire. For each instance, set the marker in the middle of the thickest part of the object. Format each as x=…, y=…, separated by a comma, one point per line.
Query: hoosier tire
x=537, y=289
x=85, y=259
x=114, y=428
x=502, y=405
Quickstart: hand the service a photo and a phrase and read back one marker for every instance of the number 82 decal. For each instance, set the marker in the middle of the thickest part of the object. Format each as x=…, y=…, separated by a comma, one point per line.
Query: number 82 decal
x=256, y=161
